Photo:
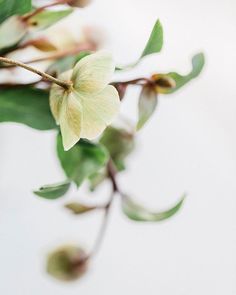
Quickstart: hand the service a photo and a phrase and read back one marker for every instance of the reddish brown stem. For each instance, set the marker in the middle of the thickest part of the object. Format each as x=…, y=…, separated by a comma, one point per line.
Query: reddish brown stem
x=40, y=9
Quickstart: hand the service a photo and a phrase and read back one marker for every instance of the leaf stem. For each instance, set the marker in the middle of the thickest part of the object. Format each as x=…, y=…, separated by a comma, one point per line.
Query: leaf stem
x=64, y=84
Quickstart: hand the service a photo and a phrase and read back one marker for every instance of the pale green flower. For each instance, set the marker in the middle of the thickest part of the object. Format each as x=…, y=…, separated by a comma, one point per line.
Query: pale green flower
x=91, y=104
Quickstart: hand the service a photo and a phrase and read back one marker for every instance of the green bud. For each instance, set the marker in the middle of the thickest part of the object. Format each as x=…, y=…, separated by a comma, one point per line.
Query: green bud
x=67, y=263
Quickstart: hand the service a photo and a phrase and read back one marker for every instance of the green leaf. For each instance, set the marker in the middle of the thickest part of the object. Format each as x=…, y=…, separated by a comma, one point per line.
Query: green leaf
x=82, y=160
x=138, y=213
x=12, y=7
x=47, y=18
x=53, y=191
x=147, y=105
x=155, y=42
x=154, y=45
x=12, y=31
x=78, y=208
x=28, y=106
x=197, y=65
x=119, y=143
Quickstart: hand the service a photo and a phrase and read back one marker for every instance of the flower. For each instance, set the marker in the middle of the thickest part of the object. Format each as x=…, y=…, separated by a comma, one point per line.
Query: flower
x=90, y=105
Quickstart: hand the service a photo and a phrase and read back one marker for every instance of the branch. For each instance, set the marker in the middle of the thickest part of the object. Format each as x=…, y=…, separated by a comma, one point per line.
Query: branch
x=64, y=84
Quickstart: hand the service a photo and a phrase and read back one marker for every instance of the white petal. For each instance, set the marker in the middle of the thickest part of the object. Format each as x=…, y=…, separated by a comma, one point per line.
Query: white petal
x=56, y=95
x=93, y=72
x=70, y=120
x=99, y=110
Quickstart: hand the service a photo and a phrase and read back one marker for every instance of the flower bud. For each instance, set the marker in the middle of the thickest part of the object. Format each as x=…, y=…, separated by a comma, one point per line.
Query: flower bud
x=79, y=3
x=67, y=263
x=163, y=82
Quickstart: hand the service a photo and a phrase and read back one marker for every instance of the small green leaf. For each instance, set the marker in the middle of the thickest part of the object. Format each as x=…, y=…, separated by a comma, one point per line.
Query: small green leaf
x=119, y=143
x=78, y=208
x=48, y=18
x=155, y=42
x=12, y=31
x=147, y=105
x=53, y=191
x=197, y=66
x=82, y=160
x=138, y=213
x=154, y=45
x=66, y=63
x=28, y=106
x=67, y=263
x=12, y=7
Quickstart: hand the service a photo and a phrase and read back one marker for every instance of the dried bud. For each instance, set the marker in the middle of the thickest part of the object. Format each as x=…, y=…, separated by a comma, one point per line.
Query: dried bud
x=67, y=263
x=79, y=3
x=163, y=82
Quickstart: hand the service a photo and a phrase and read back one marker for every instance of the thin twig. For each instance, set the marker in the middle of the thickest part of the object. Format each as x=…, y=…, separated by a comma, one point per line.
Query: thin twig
x=42, y=8
x=111, y=174
x=45, y=76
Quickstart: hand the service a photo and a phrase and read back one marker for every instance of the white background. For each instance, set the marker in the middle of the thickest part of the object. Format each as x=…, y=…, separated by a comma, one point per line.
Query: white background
x=189, y=145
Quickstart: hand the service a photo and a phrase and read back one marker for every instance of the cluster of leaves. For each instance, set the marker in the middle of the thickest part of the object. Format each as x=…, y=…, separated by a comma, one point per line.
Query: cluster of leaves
x=84, y=160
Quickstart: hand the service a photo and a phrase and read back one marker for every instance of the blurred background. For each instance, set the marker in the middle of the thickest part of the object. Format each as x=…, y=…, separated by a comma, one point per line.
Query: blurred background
x=188, y=146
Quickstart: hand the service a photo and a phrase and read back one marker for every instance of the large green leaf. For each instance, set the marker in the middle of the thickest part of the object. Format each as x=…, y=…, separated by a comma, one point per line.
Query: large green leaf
x=48, y=17
x=11, y=7
x=28, y=106
x=138, y=213
x=53, y=191
x=197, y=65
x=155, y=42
x=83, y=160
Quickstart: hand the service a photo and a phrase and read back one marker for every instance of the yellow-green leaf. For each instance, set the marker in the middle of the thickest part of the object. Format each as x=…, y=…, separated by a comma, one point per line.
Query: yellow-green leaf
x=78, y=208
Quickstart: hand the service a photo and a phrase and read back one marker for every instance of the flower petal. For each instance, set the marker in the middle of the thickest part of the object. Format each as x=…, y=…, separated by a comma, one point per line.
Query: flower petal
x=56, y=95
x=99, y=111
x=93, y=72
x=70, y=120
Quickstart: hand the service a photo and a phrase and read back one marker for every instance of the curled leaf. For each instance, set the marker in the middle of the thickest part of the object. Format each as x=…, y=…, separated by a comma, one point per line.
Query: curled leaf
x=180, y=80
x=147, y=105
x=53, y=191
x=67, y=263
x=136, y=212
x=78, y=208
